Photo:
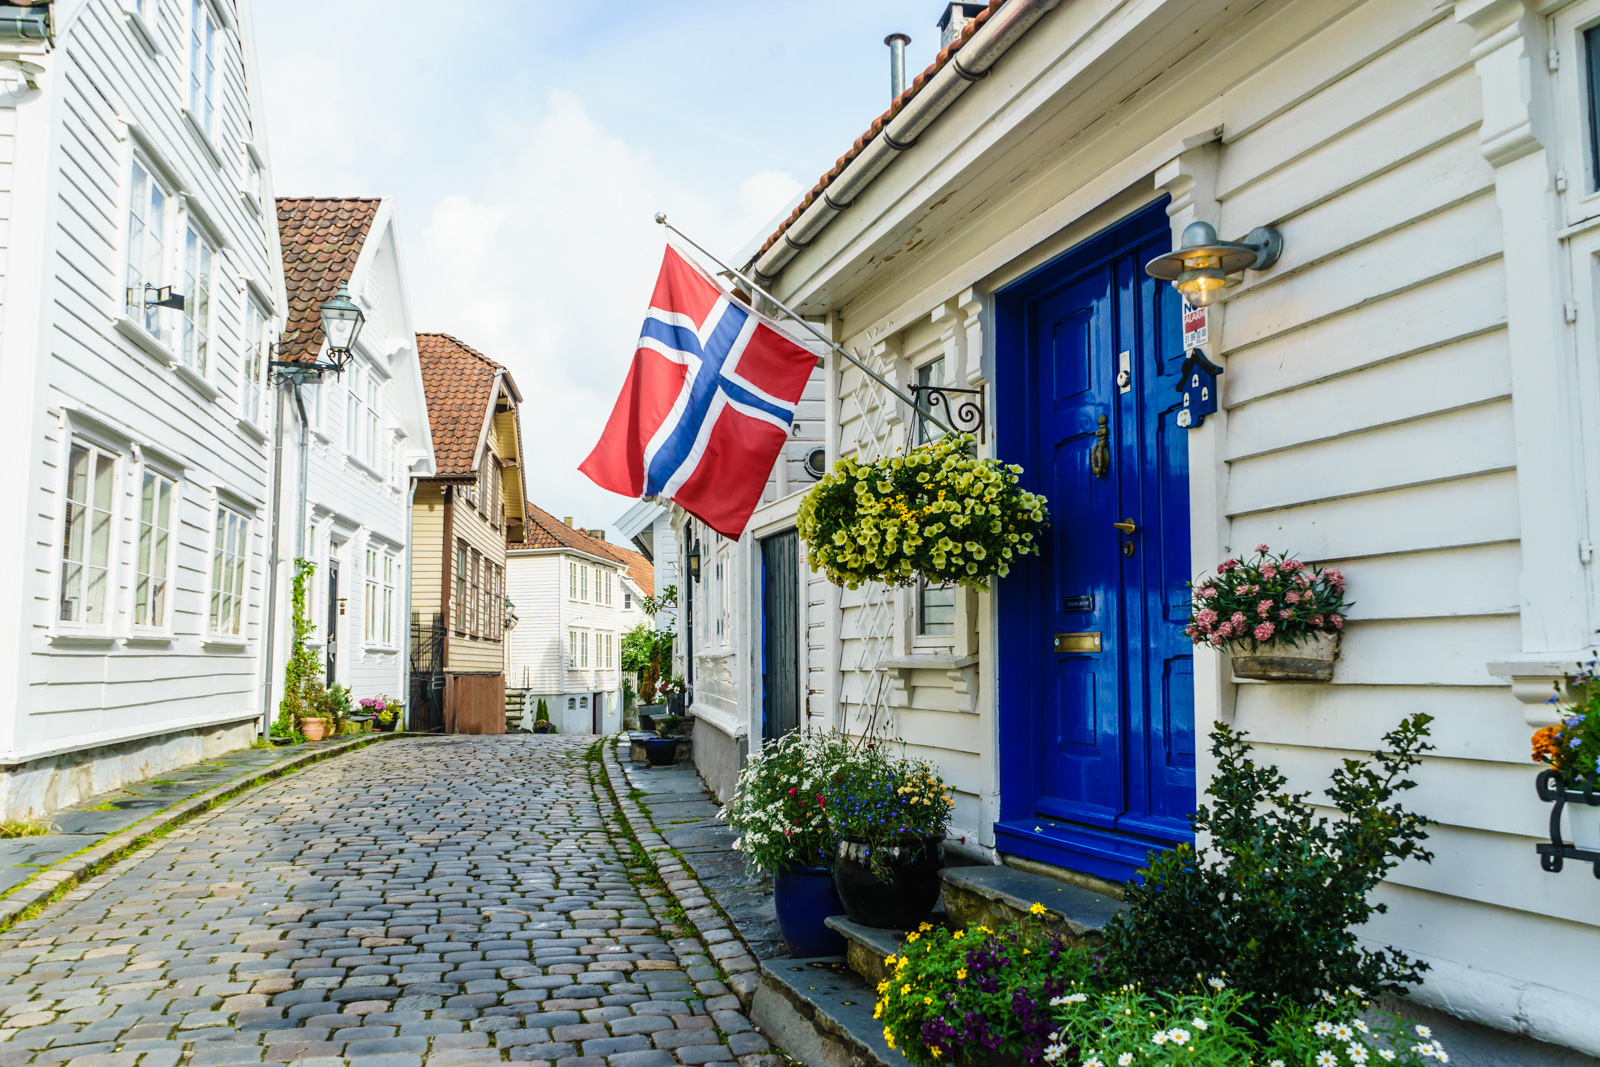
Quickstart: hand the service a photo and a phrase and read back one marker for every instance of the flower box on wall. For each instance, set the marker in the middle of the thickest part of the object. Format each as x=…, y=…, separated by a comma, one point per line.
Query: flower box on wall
x=1278, y=661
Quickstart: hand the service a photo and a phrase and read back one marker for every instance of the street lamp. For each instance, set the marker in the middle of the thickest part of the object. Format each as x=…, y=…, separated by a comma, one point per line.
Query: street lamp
x=341, y=323
x=1204, y=266
x=694, y=561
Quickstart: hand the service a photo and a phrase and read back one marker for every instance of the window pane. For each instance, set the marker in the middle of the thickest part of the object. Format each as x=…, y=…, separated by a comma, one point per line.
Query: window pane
x=936, y=610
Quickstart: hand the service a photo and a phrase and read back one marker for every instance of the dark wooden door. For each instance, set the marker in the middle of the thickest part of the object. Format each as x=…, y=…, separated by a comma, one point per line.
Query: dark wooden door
x=332, y=643
x=780, y=634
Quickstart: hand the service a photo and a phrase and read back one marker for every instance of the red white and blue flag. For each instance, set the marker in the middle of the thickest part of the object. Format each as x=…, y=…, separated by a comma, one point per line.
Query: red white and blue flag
x=707, y=405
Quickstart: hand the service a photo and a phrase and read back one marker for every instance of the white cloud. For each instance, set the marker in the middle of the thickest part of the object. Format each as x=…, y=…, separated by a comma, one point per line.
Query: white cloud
x=546, y=267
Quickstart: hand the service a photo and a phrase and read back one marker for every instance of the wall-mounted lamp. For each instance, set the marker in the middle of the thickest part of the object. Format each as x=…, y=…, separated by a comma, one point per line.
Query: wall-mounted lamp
x=341, y=324
x=1204, y=266
x=694, y=561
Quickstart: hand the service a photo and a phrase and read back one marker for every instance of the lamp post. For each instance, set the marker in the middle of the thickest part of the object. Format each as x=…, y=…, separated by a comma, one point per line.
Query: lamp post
x=341, y=325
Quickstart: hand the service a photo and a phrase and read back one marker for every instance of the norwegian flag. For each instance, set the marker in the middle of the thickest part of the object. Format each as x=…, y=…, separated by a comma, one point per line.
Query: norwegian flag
x=707, y=405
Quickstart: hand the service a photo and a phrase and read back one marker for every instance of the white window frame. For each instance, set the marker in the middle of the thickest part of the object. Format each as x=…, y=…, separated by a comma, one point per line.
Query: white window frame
x=391, y=572
x=354, y=405
x=94, y=453
x=627, y=599
x=930, y=372
x=254, y=360
x=583, y=584
x=371, y=571
x=158, y=617
x=608, y=589
x=572, y=580
x=199, y=298
x=228, y=592
x=721, y=572
x=139, y=266
x=572, y=650
x=203, y=68
x=583, y=649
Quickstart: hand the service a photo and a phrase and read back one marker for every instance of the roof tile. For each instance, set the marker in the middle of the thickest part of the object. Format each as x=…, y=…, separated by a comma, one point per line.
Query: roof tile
x=322, y=239
x=458, y=382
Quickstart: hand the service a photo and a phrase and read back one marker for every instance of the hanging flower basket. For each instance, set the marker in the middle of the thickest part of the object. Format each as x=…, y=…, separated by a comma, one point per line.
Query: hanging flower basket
x=1278, y=618
x=1571, y=748
x=937, y=512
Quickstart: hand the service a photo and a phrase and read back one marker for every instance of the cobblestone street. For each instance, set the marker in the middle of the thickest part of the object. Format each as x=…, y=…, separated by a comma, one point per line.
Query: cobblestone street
x=450, y=901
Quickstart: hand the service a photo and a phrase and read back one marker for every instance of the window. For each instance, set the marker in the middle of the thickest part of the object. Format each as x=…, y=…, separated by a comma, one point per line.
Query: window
x=256, y=343
x=86, y=537
x=572, y=652
x=583, y=583
x=197, y=263
x=929, y=374
x=462, y=562
x=227, y=572
x=611, y=651
x=361, y=415
x=627, y=600
x=608, y=588
x=147, y=246
x=202, y=66
x=723, y=576
x=475, y=597
x=252, y=176
x=145, y=9
x=497, y=508
x=572, y=581
x=369, y=605
x=936, y=610
x=583, y=649
x=387, y=611
x=154, y=551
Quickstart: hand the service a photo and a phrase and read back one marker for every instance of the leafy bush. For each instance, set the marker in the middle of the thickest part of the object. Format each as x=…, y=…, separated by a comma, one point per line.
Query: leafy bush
x=541, y=712
x=1266, y=598
x=1272, y=902
x=779, y=809
x=300, y=672
x=1572, y=747
x=1205, y=1027
x=936, y=511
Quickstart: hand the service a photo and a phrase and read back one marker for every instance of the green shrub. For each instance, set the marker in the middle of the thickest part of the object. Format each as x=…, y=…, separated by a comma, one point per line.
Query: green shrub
x=541, y=712
x=1272, y=902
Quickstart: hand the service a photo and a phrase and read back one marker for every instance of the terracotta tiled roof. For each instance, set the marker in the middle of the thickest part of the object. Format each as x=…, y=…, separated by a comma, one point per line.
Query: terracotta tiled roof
x=321, y=238
x=945, y=55
x=546, y=531
x=458, y=382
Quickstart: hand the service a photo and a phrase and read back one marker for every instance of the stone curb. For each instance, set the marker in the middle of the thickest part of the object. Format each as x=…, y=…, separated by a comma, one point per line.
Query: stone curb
x=59, y=878
x=738, y=960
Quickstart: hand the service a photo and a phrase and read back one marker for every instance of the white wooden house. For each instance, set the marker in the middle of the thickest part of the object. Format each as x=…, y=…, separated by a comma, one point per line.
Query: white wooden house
x=1411, y=393
x=134, y=174
x=575, y=595
x=365, y=435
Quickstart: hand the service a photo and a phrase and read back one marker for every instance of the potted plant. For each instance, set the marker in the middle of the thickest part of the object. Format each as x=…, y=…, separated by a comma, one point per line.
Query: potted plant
x=384, y=714
x=1279, y=618
x=938, y=511
x=674, y=726
x=541, y=718
x=888, y=814
x=779, y=810
x=672, y=690
x=1571, y=749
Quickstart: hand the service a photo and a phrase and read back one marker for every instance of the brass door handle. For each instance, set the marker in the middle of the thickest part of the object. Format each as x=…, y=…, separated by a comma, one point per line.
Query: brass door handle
x=1100, y=454
x=1127, y=526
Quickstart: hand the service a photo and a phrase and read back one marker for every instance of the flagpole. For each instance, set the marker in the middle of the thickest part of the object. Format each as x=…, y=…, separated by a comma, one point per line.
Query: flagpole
x=824, y=338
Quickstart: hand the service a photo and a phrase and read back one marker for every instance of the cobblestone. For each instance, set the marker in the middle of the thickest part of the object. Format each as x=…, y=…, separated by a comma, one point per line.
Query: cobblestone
x=441, y=901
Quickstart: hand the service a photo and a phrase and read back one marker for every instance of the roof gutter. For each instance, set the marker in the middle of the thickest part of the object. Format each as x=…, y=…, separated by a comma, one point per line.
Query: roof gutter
x=974, y=60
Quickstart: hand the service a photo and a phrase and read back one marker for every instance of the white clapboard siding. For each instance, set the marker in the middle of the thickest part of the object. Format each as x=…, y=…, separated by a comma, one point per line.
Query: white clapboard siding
x=102, y=80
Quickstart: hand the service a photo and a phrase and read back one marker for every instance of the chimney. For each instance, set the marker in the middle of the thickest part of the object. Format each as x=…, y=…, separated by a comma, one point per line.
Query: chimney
x=598, y=535
x=954, y=20
x=567, y=520
x=897, y=64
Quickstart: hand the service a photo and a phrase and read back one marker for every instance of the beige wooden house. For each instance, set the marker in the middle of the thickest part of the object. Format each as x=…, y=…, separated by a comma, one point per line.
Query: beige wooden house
x=462, y=520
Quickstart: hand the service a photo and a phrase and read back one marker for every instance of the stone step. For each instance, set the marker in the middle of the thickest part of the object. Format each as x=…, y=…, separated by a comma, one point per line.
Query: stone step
x=989, y=896
x=866, y=947
x=820, y=1013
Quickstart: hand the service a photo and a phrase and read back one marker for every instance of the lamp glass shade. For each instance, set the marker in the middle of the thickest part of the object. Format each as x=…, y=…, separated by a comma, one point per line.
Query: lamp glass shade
x=1201, y=287
x=693, y=560
x=342, y=321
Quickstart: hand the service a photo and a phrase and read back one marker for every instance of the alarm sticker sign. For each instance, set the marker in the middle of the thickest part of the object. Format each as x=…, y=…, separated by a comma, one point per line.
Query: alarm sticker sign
x=1196, y=327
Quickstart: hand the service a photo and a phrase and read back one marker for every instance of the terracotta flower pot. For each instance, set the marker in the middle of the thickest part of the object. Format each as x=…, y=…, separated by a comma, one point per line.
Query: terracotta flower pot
x=314, y=729
x=1278, y=661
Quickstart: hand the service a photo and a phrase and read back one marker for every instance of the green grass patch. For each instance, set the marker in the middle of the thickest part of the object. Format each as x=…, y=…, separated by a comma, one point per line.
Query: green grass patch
x=25, y=828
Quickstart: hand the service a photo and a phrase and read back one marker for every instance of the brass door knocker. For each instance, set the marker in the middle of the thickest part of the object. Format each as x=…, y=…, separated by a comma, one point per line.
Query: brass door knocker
x=1100, y=454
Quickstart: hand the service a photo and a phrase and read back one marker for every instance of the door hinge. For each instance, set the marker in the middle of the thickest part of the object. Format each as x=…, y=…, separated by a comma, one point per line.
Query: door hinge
x=1553, y=58
x=1572, y=310
x=1585, y=551
x=1561, y=181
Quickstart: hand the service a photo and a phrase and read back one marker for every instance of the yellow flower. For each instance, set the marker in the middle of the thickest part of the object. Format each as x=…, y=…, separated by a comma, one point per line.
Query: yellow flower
x=1037, y=909
x=888, y=1035
x=905, y=989
x=961, y=975
x=889, y=960
x=934, y=1053
x=883, y=987
x=927, y=1000
x=912, y=936
x=958, y=935
x=925, y=927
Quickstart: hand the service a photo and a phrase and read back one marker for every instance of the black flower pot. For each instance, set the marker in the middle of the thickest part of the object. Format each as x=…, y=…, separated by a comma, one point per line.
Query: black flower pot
x=675, y=704
x=903, y=895
x=660, y=751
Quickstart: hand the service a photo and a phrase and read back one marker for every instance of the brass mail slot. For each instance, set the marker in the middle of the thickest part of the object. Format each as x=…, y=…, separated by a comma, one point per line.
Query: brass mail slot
x=1084, y=642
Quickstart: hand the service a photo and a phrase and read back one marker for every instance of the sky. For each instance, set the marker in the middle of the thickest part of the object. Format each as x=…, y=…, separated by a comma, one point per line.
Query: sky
x=528, y=146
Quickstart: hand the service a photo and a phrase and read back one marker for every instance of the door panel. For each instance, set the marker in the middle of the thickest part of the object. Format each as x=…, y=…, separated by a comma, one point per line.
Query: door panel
x=1098, y=747
x=780, y=646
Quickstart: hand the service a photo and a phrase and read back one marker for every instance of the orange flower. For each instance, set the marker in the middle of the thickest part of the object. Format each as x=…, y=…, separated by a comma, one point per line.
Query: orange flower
x=1545, y=747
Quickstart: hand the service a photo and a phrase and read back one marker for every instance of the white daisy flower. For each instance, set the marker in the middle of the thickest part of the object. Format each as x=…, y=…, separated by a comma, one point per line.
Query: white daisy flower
x=1327, y=1059
x=1200, y=1024
x=1356, y=1053
x=1159, y=1037
x=1422, y=1031
x=1124, y=1059
x=1179, y=1036
x=1386, y=1053
x=1217, y=983
x=1359, y=1025
x=1322, y=1029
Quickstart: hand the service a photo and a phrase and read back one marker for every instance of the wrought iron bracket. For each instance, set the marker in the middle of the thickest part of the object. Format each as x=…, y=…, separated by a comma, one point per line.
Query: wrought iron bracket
x=1552, y=790
x=962, y=409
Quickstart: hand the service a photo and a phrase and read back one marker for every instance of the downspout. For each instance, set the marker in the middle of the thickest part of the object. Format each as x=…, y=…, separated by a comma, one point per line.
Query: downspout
x=973, y=61
x=273, y=565
x=411, y=558
x=305, y=458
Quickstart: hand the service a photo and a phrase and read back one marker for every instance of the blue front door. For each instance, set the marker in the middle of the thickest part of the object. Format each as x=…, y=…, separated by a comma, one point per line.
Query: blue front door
x=1096, y=681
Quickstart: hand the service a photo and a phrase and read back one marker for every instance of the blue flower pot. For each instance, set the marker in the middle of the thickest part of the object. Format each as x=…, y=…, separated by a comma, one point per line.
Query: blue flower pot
x=661, y=751
x=805, y=897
